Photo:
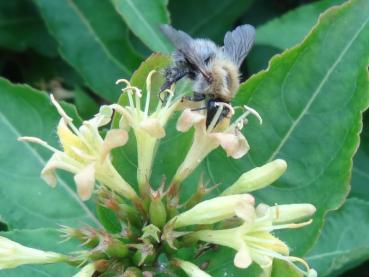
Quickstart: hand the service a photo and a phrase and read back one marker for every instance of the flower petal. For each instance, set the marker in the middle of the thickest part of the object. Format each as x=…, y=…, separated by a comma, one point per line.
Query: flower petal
x=85, y=181
x=187, y=119
x=235, y=145
x=48, y=172
x=68, y=139
x=243, y=257
x=153, y=127
x=264, y=261
x=103, y=117
x=114, y=138
x=246, y=212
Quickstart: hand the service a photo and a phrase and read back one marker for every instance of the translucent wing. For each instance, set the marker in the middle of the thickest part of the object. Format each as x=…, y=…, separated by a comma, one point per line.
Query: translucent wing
x=186, y=46
x=238, y=43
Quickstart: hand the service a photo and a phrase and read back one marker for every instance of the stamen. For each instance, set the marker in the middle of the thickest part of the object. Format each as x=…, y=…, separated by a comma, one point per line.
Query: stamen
x=289, y=226
x=64, y=115
x=288, y=259
x=254, y=112
x=118, y=108
x=230, y=108
x=276, y=211
x=148, y=90
x=243, y=117
x=60, y=110
x=123, y=81
x=38, y=141
x=130, y=99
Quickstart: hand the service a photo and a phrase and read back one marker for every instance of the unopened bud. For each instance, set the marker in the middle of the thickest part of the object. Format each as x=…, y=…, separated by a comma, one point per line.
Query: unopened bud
x=158, y=214
x=116, y=248
x=258, y=178
x=132, y=272
x=213, y=210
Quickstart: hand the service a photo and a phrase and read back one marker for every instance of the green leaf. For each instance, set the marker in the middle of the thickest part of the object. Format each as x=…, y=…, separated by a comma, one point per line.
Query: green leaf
x=27, y=201
x=360, y=175
x=86, y=105
x=43, y=239
x=284, y=32
x=311, y=102
x=291, y=28
x=21, y=27
x=207, y=18
x=93, y=39
x=296, y=23
x=344, y=242
x=144, y=18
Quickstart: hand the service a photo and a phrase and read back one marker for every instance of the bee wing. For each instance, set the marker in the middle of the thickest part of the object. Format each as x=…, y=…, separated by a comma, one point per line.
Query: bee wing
x=238, y=43
x=186, y=45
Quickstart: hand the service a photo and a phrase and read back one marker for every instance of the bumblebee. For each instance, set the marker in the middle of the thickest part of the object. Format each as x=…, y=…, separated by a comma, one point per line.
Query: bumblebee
x=214, y=70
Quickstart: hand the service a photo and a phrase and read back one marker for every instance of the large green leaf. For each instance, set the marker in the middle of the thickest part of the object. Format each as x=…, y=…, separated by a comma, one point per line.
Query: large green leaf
x=344, y=242
x=26, y=201
x=207, y=18
x=284, y=32
x=93, y=39
x=360, y=172
x=43, y=239
x=144, y=17
x=289, y=29
x=21, y=27
x=311, y=102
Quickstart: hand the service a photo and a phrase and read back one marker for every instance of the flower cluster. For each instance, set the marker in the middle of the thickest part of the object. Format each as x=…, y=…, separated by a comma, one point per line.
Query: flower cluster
x=153, y=222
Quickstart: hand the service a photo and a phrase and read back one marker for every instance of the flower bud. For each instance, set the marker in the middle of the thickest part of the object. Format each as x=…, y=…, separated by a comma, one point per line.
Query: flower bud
x=132, y=272
x=258, y=178
x=13, y=254
x=116, y=248
x=213, y=210
x=158, y=214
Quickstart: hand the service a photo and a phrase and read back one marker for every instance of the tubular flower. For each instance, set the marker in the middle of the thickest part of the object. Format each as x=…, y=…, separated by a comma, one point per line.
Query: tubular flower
x=206, y=139
x=13, y=254
x=148, y=126
x=86, y=154
x=253, y=240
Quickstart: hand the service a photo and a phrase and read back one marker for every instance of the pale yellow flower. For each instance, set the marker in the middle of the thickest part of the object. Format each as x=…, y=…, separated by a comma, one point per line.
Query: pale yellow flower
x=253, y=240
x=86, y=154
x=206, y=139
x=13, y=254
x=147, y=124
